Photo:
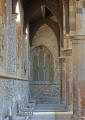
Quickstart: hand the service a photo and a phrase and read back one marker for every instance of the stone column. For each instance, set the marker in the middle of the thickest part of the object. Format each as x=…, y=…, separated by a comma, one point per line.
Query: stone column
x=62, y=80
x=67, y=52
x=78, y=57
x=69, y=94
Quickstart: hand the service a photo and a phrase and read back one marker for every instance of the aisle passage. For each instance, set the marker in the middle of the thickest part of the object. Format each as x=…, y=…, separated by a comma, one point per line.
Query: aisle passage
x=52, y=116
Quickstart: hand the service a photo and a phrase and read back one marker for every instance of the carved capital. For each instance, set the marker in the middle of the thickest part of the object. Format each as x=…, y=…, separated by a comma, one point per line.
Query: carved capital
x=67, y=52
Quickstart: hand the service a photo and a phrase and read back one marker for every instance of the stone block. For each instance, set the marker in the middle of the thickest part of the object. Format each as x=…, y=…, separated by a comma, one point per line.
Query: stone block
x=1, y=20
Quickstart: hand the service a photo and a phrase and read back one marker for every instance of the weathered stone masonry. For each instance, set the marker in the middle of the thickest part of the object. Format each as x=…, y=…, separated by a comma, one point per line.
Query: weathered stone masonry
x=56, y=28
x=13, y=78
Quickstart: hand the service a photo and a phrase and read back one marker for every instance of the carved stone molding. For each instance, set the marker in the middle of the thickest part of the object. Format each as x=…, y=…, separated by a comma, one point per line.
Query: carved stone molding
x=67, y=52
x=77, y=37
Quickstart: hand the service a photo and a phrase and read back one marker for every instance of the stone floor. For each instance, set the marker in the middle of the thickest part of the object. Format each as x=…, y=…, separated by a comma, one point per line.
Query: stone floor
x=52, y=116
x=47, y=112
x=63, y=115
x=43, y=116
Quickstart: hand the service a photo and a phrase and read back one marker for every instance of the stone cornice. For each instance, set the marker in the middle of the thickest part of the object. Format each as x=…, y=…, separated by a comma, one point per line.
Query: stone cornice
x=12, y=78
x=62, y=58
x=14, y=16
x=77, y=37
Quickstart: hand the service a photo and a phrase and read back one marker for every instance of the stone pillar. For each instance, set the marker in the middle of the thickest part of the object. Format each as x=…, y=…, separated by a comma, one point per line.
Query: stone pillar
x=78, y=56
x=67, y=52
x=69, y=94
x=62, y=80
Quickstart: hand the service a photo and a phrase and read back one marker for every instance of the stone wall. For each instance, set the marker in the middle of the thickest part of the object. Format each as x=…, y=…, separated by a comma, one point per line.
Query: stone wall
x=11, y=92
x=14, y=82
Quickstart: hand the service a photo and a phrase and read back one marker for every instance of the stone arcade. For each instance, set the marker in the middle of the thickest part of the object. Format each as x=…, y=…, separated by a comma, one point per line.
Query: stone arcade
x=42, y=59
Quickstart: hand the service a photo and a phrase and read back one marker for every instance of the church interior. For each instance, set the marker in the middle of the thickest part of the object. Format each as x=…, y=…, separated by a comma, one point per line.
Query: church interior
x=42, y=65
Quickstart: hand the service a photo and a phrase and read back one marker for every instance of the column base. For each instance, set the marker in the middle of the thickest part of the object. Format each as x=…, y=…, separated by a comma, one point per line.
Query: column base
x=70, y=107
x=10, y=118
x=75, y=117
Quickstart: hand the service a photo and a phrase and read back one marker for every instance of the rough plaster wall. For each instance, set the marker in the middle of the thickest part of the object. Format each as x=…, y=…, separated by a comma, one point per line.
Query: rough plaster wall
x=42, y=91
x=11, y=90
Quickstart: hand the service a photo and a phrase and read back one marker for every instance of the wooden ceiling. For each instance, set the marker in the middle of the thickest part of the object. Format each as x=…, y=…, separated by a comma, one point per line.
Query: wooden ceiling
x=35, y=9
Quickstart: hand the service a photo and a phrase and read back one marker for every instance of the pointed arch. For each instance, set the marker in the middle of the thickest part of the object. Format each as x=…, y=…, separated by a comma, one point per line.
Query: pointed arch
x=54, y=26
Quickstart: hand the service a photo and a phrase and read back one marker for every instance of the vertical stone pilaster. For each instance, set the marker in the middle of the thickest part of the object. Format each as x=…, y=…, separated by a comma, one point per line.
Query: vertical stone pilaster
x=28, y=54
x=62, y=81
x=64, y=27
x=80, y=17
x=78, y=56
x=69, y=94
x=11, y=41
x=72, y=16
x=3, y=26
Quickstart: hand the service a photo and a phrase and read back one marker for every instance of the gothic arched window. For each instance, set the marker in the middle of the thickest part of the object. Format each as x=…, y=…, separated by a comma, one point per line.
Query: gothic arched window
x=42, y=64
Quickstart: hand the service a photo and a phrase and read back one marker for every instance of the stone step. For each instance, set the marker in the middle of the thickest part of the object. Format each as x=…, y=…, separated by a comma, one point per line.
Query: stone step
x=50, y=108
